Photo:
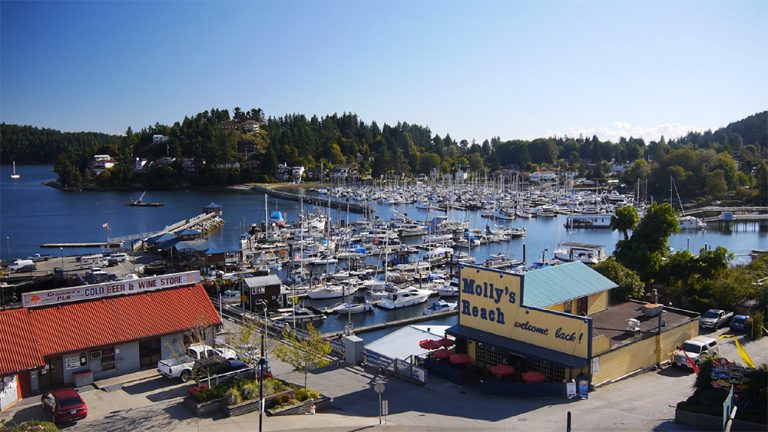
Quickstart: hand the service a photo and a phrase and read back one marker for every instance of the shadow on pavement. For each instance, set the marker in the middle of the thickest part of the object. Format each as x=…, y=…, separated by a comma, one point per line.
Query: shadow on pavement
x=32, y=412
x=148, y=385
x=674, y=371
x=134, y=419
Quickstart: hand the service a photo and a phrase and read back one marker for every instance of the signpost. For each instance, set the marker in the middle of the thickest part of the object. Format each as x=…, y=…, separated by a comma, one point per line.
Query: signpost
x=379, y=387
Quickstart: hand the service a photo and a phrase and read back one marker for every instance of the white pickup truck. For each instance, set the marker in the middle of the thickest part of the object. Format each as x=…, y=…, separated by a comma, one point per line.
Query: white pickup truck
x=181, y=367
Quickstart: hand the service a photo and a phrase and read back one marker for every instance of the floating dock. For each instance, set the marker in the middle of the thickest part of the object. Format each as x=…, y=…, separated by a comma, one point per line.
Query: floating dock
x=396, y=323
x=110, y=244
x=321, y=202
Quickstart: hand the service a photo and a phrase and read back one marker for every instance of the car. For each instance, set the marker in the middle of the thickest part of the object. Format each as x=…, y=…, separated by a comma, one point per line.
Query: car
x=739, y=323
x=695, y=349
x=216, y=365
x=65, y=405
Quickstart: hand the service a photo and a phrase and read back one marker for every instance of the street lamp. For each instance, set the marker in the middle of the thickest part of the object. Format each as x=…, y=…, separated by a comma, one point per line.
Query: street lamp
x=262, y=364
x=61, y=252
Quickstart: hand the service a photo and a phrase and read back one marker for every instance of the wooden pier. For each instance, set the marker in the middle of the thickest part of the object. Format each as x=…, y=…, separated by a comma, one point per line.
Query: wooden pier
x=94, y=245
x=321, y=202
x=397, y=323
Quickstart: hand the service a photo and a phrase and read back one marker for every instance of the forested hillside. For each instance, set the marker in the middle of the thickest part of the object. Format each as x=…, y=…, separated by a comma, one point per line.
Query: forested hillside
x=217, y=147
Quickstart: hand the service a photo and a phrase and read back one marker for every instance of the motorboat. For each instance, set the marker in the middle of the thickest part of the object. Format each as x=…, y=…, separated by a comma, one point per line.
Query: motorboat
x=302, y=314
x=584, y=252
x=691, y=223
x=404, y=298
x=450, y=289
x=440, y=306
x=358, y=305
x=331, y=291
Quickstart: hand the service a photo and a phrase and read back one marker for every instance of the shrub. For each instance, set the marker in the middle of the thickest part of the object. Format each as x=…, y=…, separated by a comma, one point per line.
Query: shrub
x=29, y=426
x=250, y=390
x=301, y=395
x=196, y=388
x=232, y=396
x=208, y=394
x=754, y=326
x=313, y=394
x=272, y=386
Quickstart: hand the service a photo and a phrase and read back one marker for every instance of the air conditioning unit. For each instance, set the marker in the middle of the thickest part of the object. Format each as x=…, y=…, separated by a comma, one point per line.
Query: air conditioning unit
x=633, y=324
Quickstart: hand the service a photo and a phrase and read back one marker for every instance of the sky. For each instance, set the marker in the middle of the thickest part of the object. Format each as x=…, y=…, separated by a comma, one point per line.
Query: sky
x=476, y=70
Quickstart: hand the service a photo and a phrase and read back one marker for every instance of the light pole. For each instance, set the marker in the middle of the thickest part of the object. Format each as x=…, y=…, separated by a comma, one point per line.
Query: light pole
x=262, y=364
x=61, y=252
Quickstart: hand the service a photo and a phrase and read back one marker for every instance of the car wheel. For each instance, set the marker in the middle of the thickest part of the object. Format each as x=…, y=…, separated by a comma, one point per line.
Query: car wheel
x=185, y=375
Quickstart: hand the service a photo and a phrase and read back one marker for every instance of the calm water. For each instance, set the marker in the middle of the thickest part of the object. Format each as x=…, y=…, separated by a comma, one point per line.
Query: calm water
x=32, y=214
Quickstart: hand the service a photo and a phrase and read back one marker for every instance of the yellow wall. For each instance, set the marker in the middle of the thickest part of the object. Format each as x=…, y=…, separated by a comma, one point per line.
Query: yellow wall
x=560, y=307
x=491, y=301
x=600, y=344
x=597, y=302
x=472, y=350
x=641, y=354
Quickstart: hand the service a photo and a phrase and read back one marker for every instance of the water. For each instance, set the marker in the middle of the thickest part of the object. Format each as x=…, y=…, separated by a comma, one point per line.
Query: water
x=32, y=214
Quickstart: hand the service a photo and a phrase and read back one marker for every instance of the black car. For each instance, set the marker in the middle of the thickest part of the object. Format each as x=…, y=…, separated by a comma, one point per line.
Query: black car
x=216, y=365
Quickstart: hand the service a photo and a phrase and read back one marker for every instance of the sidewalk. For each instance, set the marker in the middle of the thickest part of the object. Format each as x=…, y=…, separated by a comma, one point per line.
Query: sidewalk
x=116, y=383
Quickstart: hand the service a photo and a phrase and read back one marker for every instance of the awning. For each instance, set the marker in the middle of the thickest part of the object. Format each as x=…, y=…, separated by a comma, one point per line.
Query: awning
x=517, y=347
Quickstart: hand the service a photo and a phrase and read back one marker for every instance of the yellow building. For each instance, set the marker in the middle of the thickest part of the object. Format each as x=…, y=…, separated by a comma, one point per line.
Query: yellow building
x=558, y=323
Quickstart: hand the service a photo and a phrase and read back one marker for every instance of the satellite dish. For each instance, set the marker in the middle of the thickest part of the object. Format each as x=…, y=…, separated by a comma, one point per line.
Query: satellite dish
x=633, y=324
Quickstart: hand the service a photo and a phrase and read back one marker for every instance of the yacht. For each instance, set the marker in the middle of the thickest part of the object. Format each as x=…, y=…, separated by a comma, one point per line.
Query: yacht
x=440, y=306
x=331, y=291
x=691, y=223
x=584, y=252
x=404, y=298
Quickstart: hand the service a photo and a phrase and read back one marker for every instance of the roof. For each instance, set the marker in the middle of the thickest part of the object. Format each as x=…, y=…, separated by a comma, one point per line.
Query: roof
x=213, y=205
x=518, y=347
x=554, y=285
x=188, y=231
x=17, y=351
x=114, y=320
x=404, y=342
x=259, y=281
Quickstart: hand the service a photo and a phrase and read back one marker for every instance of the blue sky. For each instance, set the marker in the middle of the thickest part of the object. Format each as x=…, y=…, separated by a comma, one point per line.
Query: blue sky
x=514, y=69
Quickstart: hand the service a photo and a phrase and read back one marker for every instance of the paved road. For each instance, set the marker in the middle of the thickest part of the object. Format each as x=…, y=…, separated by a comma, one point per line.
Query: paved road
x=642, y=403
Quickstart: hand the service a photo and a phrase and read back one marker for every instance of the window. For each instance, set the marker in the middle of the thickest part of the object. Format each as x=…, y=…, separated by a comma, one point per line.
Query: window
x=488, y=355
x=107, y=359
x=553, y=371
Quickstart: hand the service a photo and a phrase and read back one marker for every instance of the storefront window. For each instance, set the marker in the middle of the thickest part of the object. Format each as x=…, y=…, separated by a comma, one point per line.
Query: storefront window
x=489, y=355
x=554, y=371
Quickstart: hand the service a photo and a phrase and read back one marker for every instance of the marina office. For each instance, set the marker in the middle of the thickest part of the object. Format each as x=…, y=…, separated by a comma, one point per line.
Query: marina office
x=559, y=321
x=77, y=334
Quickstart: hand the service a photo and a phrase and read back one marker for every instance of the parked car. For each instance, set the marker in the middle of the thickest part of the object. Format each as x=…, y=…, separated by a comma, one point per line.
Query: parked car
x=715, y=318
x=181, y=367
x=65, y=405
x=694, y=349
x=739, y=323
x=216, y=366
x=230, y=297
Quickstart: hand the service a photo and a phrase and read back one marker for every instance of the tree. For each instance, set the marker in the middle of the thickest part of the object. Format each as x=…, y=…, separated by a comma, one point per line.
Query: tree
x=644, y=251
x=715, y=185
x=630, y=285
x=624, y=219
x=762, y=182
x=303, y=353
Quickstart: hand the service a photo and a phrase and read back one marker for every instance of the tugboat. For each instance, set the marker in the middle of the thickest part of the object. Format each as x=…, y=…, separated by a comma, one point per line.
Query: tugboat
x=140, y=202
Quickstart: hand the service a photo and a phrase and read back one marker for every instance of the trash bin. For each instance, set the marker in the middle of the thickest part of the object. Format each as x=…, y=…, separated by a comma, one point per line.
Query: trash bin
x=83, y=378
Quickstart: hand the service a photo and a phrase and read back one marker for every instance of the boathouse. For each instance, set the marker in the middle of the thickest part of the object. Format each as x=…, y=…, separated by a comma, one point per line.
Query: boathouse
x=79, y=334
x=553, y=325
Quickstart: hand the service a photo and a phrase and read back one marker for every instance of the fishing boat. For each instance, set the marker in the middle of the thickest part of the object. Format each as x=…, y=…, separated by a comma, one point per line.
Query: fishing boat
x=14, y=174
x=140, y=202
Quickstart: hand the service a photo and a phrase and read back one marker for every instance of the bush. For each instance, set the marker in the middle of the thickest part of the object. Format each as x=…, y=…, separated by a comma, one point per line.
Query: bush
x=232, y=397
x=250, y=390
x=209, y=394
x=754, y=326
x=313, y=394
x=272, y=386
x=29, y=426
x=301, y=395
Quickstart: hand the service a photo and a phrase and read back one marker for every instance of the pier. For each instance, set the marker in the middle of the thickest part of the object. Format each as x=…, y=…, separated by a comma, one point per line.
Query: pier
x=321, y=202
x=401, y=322
x=110, y=244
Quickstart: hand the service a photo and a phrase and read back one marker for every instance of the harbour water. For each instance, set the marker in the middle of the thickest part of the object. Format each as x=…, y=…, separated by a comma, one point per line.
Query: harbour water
x=32, y=214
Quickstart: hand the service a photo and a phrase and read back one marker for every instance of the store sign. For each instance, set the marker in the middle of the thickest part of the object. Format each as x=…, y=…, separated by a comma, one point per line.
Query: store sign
x=491, y=301
x=109, y=289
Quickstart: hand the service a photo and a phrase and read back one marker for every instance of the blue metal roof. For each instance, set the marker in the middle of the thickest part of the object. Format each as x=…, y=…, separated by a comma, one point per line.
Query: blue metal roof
x=518, y=347
x=188, y=231
x=557, y=284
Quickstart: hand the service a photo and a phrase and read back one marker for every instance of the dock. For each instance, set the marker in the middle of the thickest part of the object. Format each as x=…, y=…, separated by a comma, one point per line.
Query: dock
x=321, y=202
x=110, y=244
x=388, y=324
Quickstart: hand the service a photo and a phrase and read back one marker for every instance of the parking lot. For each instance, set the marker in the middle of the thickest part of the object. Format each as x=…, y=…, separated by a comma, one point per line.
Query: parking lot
x=643, y=402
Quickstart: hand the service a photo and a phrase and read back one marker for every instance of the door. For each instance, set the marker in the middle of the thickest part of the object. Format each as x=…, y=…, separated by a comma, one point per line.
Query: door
x=582, y=306
x=56, y=372
x=149, y=352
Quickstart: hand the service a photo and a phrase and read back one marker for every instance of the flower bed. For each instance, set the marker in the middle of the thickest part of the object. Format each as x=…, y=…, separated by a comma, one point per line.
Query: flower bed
x=203, y=401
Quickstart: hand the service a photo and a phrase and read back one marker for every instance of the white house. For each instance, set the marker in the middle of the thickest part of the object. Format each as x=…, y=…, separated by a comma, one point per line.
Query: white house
x=158, y=139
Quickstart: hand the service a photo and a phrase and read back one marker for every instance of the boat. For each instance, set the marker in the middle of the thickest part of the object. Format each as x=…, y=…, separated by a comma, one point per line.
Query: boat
x=691, y=223
x=358, y=305
x=302, y=314
x=404, y=298
x=449, y=290
x=14, y=174
x=584, y=252
x=588, y=221
x=140, y=202
x=331, y=291
x=440, y=306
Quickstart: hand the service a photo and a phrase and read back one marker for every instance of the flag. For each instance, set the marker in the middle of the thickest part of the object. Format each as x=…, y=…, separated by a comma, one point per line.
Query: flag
x=691, y=363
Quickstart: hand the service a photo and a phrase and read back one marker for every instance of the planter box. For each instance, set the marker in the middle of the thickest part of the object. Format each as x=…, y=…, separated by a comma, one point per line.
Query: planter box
x=203, y=408
x=305, y=407
x=252, y=405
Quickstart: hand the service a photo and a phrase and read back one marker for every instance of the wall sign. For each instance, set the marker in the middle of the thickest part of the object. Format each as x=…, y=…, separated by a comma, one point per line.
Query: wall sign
x=109, y=289
x=72, y=362
x=491, y=301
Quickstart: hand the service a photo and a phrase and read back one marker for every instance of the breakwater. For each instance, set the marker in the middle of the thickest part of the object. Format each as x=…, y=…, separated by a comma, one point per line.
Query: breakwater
x=321, y=202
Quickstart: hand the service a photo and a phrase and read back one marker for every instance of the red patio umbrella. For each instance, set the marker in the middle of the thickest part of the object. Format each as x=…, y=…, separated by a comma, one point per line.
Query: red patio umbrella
x=442, y=354
x=533, y=377
x=429, y=344
x=459, y=359
x=501, y=370
x=445, y=342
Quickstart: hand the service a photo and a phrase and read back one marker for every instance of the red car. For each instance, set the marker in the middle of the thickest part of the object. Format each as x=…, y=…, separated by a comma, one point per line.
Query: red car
x=65, y=405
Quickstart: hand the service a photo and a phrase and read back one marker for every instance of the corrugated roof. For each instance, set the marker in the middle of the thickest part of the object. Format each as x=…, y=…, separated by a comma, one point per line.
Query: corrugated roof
x=18, y=350
x=259, y=281
x=563, y=282
x=404, y=342
x=114, y=320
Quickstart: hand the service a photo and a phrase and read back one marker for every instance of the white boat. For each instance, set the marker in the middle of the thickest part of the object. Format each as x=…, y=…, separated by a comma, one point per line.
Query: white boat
x=14, y=174
x=404, y=298
x=353, y=308
x=302, y=314
x=584, y=252
x=331, y=291
x=588, y=221
x=449, y=290
x=440, y=306
x=691, y=223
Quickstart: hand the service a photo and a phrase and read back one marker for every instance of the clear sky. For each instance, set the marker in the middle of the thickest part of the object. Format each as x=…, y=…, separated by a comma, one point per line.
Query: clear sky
x=514, y=69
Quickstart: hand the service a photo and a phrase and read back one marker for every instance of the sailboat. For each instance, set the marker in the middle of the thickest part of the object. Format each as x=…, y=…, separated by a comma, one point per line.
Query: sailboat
x=15, y=175
x=686, y=222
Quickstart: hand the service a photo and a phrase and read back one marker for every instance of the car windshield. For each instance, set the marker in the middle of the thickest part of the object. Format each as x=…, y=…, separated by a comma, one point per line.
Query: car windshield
x=739, y=319
x=691, y=348
x=69, y=402
x=710, y=314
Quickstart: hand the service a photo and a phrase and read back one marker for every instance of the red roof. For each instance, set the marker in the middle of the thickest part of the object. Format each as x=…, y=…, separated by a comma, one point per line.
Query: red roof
x=18, y=351
x=115, y=320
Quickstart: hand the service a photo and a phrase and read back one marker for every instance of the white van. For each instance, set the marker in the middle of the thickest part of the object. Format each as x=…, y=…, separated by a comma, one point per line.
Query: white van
x=119, y=257
x=92, y=260
x=22, y=264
